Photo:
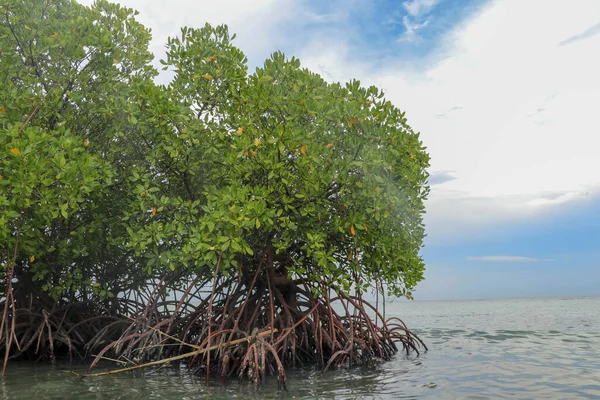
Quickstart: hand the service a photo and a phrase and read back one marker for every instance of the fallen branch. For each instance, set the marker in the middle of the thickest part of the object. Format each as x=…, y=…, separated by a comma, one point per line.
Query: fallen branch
x=176, y=358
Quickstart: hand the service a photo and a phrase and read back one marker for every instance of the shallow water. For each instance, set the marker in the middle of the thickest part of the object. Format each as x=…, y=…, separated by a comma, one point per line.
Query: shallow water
x=492, y=349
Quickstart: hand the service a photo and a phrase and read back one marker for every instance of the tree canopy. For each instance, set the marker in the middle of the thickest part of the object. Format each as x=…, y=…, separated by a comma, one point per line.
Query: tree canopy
x=109, y=178
x=153, y=217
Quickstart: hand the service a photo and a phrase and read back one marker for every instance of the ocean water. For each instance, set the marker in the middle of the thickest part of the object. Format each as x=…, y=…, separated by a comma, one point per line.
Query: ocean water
x=490, y=349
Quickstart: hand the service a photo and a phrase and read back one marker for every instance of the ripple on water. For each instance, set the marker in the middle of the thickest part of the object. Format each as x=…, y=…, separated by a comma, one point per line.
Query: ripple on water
x=478, y=350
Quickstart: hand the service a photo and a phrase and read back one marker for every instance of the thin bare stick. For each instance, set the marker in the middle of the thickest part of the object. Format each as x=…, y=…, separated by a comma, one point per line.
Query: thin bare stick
x=166, y=334
x=171, y=359
x=35, y=110
x=111, y=359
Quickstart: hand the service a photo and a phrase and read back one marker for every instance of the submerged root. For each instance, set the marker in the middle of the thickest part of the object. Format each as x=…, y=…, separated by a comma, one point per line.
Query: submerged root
x=221, y=327
x=250, y=330
x=36, y=327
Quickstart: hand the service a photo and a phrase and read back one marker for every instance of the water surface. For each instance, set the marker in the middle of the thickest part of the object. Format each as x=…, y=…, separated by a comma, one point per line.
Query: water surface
x=492, y=349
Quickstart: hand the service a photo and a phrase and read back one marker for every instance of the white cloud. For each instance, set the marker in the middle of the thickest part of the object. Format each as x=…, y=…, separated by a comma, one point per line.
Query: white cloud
x=419, y=7
x=410, y=29
x=454, y=215
x=415, y=9
x=524, y=110
x=507, y=259
x=508, y=103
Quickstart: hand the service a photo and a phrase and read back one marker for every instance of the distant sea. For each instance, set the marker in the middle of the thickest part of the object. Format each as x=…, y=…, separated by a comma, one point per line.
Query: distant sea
x=479, y=349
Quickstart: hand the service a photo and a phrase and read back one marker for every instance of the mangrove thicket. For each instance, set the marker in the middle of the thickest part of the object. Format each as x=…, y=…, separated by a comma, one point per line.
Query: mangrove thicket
x=236, y=220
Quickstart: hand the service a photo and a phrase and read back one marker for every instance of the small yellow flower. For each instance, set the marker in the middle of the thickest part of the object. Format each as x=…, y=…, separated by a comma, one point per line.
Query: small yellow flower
x=15, y=151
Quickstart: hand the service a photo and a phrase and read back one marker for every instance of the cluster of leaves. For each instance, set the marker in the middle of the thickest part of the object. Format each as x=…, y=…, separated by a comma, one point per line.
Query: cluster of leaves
x=121, y=179
x=327, y=181
x=67, y=80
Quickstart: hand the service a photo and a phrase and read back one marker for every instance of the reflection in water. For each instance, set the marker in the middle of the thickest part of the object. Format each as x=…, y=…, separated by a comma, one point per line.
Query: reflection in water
x=478, y=350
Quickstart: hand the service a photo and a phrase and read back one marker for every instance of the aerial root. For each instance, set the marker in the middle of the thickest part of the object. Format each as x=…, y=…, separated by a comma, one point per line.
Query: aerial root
x=35, y=328
x=220, y=327
x=285, y=331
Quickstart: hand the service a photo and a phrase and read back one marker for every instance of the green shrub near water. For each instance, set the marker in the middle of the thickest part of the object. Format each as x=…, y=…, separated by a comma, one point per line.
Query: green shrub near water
x=110, y=180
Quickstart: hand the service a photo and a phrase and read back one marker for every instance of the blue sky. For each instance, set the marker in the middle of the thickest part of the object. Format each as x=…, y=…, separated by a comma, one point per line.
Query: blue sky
x=554, y=255
x=505, y=95
x=383, y=28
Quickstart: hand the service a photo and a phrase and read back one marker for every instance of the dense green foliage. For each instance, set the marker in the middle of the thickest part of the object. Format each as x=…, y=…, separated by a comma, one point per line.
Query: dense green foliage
x=74, y=71
x=115, y=179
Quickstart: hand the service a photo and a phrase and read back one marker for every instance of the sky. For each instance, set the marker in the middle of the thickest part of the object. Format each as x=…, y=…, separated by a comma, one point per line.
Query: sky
x=505, y=95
